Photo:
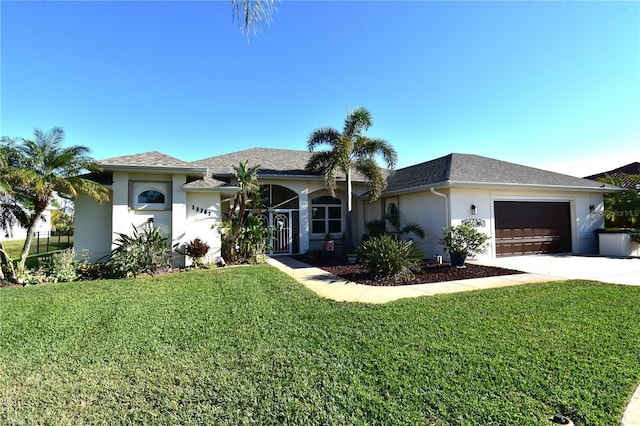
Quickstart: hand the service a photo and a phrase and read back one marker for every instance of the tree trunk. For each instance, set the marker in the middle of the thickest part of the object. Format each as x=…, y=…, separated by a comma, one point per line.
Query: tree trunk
x=27, y=241
x=3, y=261
x=348, y=233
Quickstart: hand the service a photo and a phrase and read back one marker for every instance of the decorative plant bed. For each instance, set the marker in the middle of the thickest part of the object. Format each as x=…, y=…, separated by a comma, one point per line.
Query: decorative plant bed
x=430, y=272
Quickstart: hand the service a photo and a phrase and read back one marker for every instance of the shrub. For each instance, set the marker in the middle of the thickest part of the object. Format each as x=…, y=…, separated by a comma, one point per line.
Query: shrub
x=141, y=252
x=464, y=240
x=388, y=257
x=88, y=271
x=196, y=249
x=61, y=266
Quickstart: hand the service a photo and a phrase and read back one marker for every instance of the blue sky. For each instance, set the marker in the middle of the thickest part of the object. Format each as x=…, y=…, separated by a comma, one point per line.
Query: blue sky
x=554, y=85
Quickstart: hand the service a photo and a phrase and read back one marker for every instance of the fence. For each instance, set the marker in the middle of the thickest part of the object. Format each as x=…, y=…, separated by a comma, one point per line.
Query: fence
x=49, y=241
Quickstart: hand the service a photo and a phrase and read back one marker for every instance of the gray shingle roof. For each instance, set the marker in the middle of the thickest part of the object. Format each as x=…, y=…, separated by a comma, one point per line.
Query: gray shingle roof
x=153, y=159
x=460, y=169
x=272, y=161
x=205, y=183
x=282, y=162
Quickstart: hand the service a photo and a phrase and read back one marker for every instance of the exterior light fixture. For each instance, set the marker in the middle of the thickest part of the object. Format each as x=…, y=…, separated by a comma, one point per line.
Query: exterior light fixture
x=592, y=208
x=474, y=209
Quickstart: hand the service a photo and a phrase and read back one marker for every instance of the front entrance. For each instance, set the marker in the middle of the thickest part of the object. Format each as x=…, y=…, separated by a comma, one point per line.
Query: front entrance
x=280, y=222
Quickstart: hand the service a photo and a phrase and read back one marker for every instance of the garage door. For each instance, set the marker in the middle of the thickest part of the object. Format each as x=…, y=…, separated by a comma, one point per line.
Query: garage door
x=524, y=227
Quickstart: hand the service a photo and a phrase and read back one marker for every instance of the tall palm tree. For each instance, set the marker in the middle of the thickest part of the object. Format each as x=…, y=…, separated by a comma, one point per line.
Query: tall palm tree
x=43, y=166
x=350, y=151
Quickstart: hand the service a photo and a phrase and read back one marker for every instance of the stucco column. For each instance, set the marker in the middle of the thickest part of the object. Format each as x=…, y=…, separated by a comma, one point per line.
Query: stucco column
x=304, y=220
x=120, y=206
x=178, y=214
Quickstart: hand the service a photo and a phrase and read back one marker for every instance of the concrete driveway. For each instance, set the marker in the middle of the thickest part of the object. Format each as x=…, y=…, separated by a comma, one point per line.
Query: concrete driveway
x=599, y=268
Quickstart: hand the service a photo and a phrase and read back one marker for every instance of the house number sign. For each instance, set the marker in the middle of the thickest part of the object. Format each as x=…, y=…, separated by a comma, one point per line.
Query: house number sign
x=475, y=223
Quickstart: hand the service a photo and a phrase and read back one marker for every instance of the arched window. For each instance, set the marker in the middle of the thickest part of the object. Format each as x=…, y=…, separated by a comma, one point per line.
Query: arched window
x=326, y=215
x=151, y=196
x=392, y=211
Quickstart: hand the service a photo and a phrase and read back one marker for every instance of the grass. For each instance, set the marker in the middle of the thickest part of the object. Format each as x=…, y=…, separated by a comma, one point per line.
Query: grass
x=248, y=345
x=14, y=248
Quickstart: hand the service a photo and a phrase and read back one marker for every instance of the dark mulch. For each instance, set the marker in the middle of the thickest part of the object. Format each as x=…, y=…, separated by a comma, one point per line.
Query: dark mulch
x=429, y=272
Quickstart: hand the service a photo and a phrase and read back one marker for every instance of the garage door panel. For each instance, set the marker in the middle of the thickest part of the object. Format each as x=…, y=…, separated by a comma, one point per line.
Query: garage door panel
x=524, y=227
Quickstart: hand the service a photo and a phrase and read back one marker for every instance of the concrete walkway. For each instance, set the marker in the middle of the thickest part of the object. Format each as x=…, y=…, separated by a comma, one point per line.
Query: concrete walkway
x=333, y=287
x=539, y=268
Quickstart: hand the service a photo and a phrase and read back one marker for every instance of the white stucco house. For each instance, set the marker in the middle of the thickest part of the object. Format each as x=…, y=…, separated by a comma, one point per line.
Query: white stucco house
x=10, y=230
x=522, y=209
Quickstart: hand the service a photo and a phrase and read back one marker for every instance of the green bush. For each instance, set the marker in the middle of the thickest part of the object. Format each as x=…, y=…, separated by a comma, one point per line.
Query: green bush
x=388, y=257
x=464, y=240
x=145, y=251
x=61, y=266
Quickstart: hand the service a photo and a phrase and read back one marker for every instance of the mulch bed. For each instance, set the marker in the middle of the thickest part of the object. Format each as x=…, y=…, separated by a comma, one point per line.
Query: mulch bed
x=429, y=272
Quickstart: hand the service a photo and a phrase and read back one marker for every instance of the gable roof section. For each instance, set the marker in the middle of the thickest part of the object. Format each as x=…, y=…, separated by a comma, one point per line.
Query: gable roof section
x=206, y=183
x=475, y=170
x=271, y=161
x=628, y=174
x=152, y=160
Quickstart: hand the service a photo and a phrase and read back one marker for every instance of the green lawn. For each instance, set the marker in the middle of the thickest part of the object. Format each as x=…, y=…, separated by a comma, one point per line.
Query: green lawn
x=247, y=345
x=14, y=247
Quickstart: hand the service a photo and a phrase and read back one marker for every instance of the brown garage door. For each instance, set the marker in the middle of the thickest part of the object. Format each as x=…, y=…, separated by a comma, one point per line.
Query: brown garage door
x=526, y=227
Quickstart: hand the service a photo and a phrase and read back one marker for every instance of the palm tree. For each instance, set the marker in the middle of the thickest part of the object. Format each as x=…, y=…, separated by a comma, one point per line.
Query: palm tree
x=247, y=196
x=252, y=14
x=349, y=151
x=43, y=166
x=11, y=211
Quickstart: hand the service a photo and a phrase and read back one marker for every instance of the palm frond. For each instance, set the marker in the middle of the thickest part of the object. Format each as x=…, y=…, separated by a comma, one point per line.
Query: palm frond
x=323, y=136
x=358, y=120
x=375, y=177
x=252, y=15
x=319, y=161
x=369, y=147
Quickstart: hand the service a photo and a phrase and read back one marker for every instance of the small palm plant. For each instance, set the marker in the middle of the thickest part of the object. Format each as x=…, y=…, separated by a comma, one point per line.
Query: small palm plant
x=388, y=257
x=144, y=251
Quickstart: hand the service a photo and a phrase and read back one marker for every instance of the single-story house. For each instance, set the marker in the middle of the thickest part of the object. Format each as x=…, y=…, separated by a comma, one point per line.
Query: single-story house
x=11, y=230
x=522, y=209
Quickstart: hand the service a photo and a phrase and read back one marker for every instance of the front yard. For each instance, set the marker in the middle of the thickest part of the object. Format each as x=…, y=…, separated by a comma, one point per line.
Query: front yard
x=248, y=345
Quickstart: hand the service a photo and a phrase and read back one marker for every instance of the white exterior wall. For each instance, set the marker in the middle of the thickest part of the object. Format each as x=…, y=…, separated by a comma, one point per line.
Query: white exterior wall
x=583, y=221
x=92, y=227
x=433, y=212
x=428, y=210
x=202, y=213
x=178, y=216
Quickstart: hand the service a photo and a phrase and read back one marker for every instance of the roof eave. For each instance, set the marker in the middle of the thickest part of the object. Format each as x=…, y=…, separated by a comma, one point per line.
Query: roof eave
x=598, y=188
x=153, y=169
x=462, y=184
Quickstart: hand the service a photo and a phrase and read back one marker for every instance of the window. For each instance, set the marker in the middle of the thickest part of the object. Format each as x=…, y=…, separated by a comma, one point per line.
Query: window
x=151, y=196
x=326, y=215
x=392, y=210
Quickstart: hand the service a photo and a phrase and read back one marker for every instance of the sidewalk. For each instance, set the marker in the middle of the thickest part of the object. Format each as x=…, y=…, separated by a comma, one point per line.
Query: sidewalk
x=333, y=287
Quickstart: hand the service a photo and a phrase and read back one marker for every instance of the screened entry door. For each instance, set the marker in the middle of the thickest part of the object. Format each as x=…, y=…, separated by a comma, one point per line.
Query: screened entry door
x=280, y=220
